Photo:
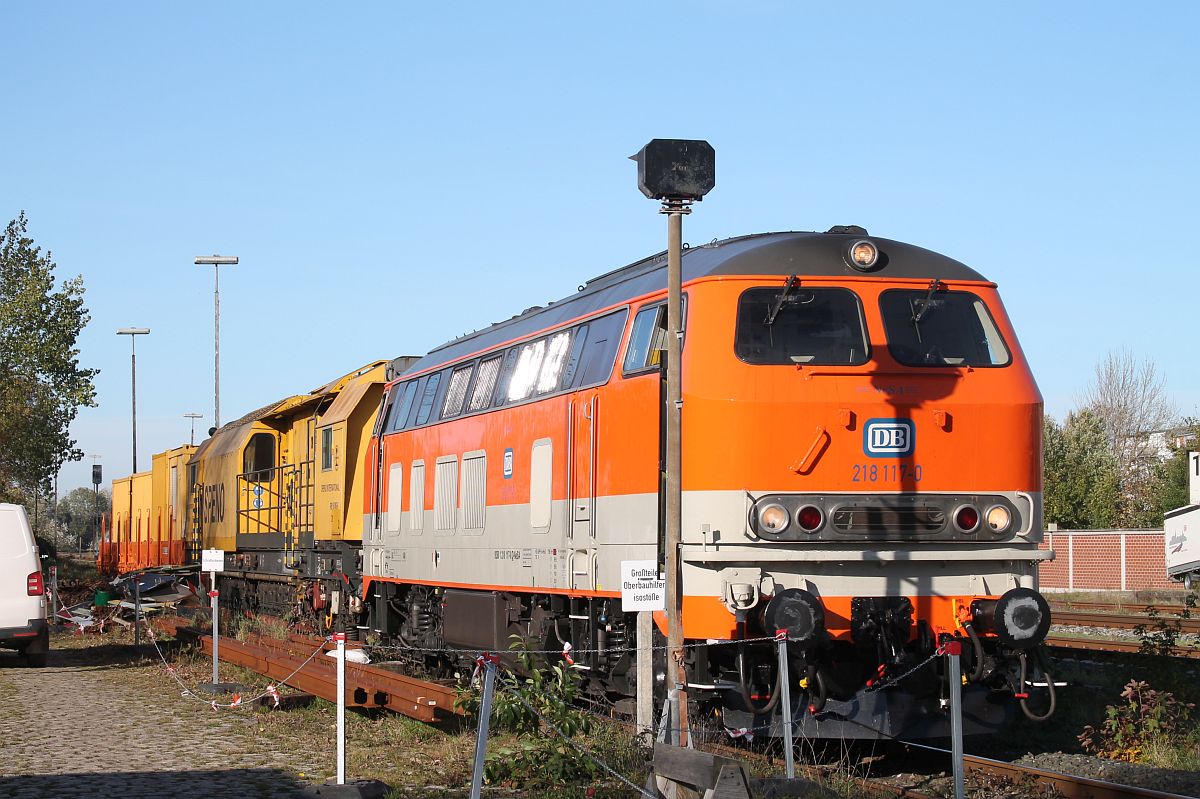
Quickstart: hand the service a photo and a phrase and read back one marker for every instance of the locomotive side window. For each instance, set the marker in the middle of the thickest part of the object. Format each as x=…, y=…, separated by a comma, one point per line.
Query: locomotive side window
x=524, y=376
x=401, y=409
x=427, y=397
x=385, y=409
x=573, y=357
x=456, y=393
x=258, y=459
x=797, y=325
x=599, y=352
x=557, y=347
x=941, y=328
x=648, y=339
x=485, y=384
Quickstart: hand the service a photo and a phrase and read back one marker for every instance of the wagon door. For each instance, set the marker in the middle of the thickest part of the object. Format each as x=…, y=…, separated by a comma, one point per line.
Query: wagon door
x=331, y=481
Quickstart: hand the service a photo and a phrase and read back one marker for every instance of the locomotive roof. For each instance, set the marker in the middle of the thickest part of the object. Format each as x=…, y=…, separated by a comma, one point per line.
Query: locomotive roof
x=800, y=253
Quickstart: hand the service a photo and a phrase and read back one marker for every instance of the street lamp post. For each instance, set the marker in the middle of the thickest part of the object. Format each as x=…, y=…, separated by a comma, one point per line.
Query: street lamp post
x=193, y=417
x=133, y=333
x=216, y=262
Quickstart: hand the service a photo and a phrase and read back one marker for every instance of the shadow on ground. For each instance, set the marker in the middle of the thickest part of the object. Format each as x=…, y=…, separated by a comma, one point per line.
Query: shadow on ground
x=261, y=783
x=104, y=656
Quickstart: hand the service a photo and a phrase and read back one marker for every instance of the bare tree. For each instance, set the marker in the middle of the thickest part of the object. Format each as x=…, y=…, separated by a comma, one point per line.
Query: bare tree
x=1129, y=397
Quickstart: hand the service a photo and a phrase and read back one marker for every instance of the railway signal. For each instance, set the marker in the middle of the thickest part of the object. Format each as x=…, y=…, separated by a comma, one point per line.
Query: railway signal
x=678, y=172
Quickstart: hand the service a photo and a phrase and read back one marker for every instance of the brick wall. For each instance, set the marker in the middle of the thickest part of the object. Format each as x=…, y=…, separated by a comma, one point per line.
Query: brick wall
x=1094, y=560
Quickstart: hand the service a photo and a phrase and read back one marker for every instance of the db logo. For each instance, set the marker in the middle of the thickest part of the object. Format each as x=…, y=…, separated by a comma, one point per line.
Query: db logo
x=889, y=438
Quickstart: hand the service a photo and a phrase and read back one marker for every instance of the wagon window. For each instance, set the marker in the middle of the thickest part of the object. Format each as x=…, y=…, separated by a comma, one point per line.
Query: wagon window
x=326, y=449
x=941, y=328
x=258, y=459
x=798, y=325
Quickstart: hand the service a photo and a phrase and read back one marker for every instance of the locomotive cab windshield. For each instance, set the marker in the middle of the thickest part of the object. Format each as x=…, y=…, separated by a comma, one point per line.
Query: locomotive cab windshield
x=819, y=326
x=941, y=328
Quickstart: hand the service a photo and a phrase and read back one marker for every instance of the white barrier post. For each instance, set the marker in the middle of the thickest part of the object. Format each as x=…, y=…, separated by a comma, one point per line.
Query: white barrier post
x=216, y=635
x=952, y=651
x=786, y=697
x=340, y=640
x=488, y=661
x=213, y=561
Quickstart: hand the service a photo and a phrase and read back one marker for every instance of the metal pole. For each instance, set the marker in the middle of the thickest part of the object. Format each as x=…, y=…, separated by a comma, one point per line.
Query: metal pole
x=954, y=674
x=485, y=712
x=786, y=697
x=216, y=345
x=212, y=579
x=677, y=673
x=340, y=640
x=133, y=362
x=137, y=612
x=645, y=673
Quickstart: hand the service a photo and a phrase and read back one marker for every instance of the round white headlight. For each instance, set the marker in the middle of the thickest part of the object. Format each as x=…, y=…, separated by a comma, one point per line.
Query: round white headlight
x=772, y=518
x=862, y=254
x=998, y=518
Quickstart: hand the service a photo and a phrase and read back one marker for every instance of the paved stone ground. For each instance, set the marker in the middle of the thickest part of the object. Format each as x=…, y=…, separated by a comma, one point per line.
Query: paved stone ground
x=95, y=724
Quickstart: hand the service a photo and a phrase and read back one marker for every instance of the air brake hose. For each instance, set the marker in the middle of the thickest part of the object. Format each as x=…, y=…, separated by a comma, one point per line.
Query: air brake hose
x=977, y=648
x=745, y=692
x=819, y=690
x=1023, y=699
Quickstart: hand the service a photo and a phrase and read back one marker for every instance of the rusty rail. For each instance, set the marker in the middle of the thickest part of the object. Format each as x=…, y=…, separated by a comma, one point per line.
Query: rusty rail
x=366, y=686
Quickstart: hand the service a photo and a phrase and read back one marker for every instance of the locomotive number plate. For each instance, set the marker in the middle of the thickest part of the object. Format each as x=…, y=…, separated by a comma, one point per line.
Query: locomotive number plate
x=886, y=473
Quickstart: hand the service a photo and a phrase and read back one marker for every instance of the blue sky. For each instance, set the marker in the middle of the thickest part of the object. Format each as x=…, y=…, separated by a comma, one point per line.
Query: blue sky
x=393, y=175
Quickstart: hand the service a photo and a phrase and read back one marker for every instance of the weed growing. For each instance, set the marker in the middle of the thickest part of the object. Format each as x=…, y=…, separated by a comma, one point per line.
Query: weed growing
x=538, y=708
x=1147, y=721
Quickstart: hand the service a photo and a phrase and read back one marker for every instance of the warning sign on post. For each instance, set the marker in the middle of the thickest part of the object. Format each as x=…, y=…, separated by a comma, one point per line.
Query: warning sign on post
x=641, y=586
x=212, y=560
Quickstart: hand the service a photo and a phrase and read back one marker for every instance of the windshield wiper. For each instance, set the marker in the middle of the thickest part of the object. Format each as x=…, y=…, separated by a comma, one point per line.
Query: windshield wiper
x=791, y=283
x=934, y=285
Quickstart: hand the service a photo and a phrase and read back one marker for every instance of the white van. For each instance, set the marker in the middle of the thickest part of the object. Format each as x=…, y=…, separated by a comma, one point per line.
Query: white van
x=22, y=592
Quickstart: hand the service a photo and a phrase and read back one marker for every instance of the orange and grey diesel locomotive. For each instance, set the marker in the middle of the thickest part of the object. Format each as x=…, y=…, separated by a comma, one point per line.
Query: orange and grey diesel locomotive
x=861, y=469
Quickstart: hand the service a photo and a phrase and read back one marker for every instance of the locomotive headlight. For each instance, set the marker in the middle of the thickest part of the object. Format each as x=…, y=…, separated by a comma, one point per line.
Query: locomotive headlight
x=862, y=255
x=966, y=518
x=810, y=518
x=772, y=518
x=998, y=518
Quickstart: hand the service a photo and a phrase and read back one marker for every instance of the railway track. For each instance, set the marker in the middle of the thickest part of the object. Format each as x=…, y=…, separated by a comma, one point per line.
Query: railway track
x=1123, y=621
x=369, y=686
x=1058, y=605
x=1109, y=645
